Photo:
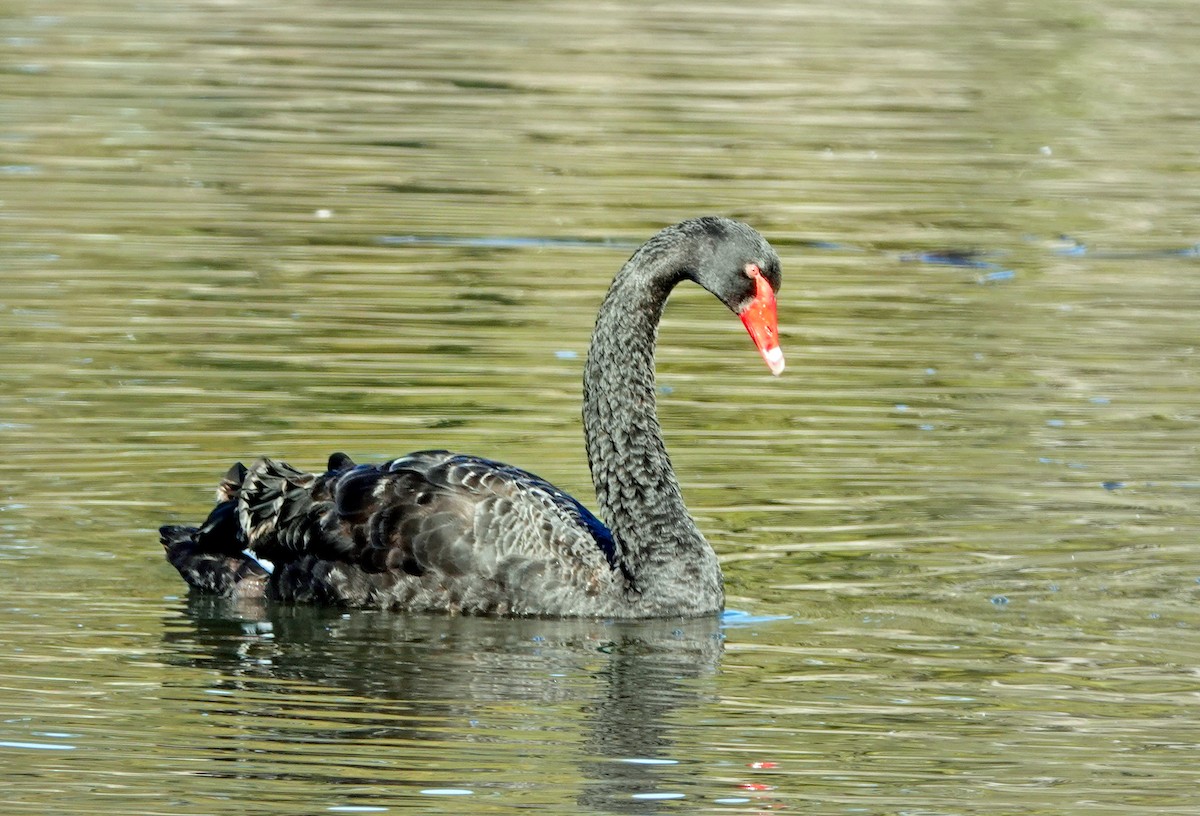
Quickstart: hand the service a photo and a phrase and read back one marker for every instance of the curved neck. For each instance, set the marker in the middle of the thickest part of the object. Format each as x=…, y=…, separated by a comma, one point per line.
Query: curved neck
x=662, y=551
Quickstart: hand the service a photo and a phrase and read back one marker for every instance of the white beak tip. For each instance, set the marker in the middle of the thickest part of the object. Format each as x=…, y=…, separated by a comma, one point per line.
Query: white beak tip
x=774, y=358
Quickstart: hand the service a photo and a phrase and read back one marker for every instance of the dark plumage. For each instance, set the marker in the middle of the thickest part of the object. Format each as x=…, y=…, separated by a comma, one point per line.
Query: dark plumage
x=441, y=531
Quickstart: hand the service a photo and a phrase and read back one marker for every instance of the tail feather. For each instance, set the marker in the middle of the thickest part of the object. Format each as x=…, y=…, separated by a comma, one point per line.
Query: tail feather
x=262, y=513
x=210, y=571
x=231, y=483
x=272, y=495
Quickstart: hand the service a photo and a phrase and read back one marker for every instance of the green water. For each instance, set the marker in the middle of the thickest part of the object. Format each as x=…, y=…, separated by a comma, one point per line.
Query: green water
x=232, y=229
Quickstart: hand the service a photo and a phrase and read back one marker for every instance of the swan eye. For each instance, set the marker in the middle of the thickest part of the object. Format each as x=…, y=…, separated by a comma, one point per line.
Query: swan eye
x=752, y=270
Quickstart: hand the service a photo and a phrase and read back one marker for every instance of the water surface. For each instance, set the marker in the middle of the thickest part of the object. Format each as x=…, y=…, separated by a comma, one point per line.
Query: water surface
x=233, y=230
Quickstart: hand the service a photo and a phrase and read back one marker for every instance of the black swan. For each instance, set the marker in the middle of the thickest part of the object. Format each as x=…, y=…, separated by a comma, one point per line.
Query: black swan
x=440, y=531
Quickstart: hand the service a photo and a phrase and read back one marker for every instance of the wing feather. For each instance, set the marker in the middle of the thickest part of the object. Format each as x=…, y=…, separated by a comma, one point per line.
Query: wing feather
x=433, y=530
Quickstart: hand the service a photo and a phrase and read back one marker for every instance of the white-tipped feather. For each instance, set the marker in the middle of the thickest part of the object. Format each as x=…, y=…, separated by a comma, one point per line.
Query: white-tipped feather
x=262, y=562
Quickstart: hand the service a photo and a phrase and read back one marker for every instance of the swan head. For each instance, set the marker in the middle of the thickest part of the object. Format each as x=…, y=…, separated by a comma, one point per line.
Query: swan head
x=736, y=264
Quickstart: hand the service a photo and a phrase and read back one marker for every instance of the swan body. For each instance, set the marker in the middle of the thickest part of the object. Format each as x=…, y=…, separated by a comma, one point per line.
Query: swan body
x=436, y=531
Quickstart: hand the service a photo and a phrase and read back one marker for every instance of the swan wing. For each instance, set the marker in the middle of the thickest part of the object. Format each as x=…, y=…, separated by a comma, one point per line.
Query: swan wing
x=433, y=530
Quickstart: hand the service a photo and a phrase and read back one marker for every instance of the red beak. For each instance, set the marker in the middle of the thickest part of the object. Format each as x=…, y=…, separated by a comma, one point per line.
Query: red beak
x=759, y=319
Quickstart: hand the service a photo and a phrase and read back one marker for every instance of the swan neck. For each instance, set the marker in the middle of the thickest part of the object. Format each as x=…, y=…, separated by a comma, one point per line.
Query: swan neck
x=639, y=496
